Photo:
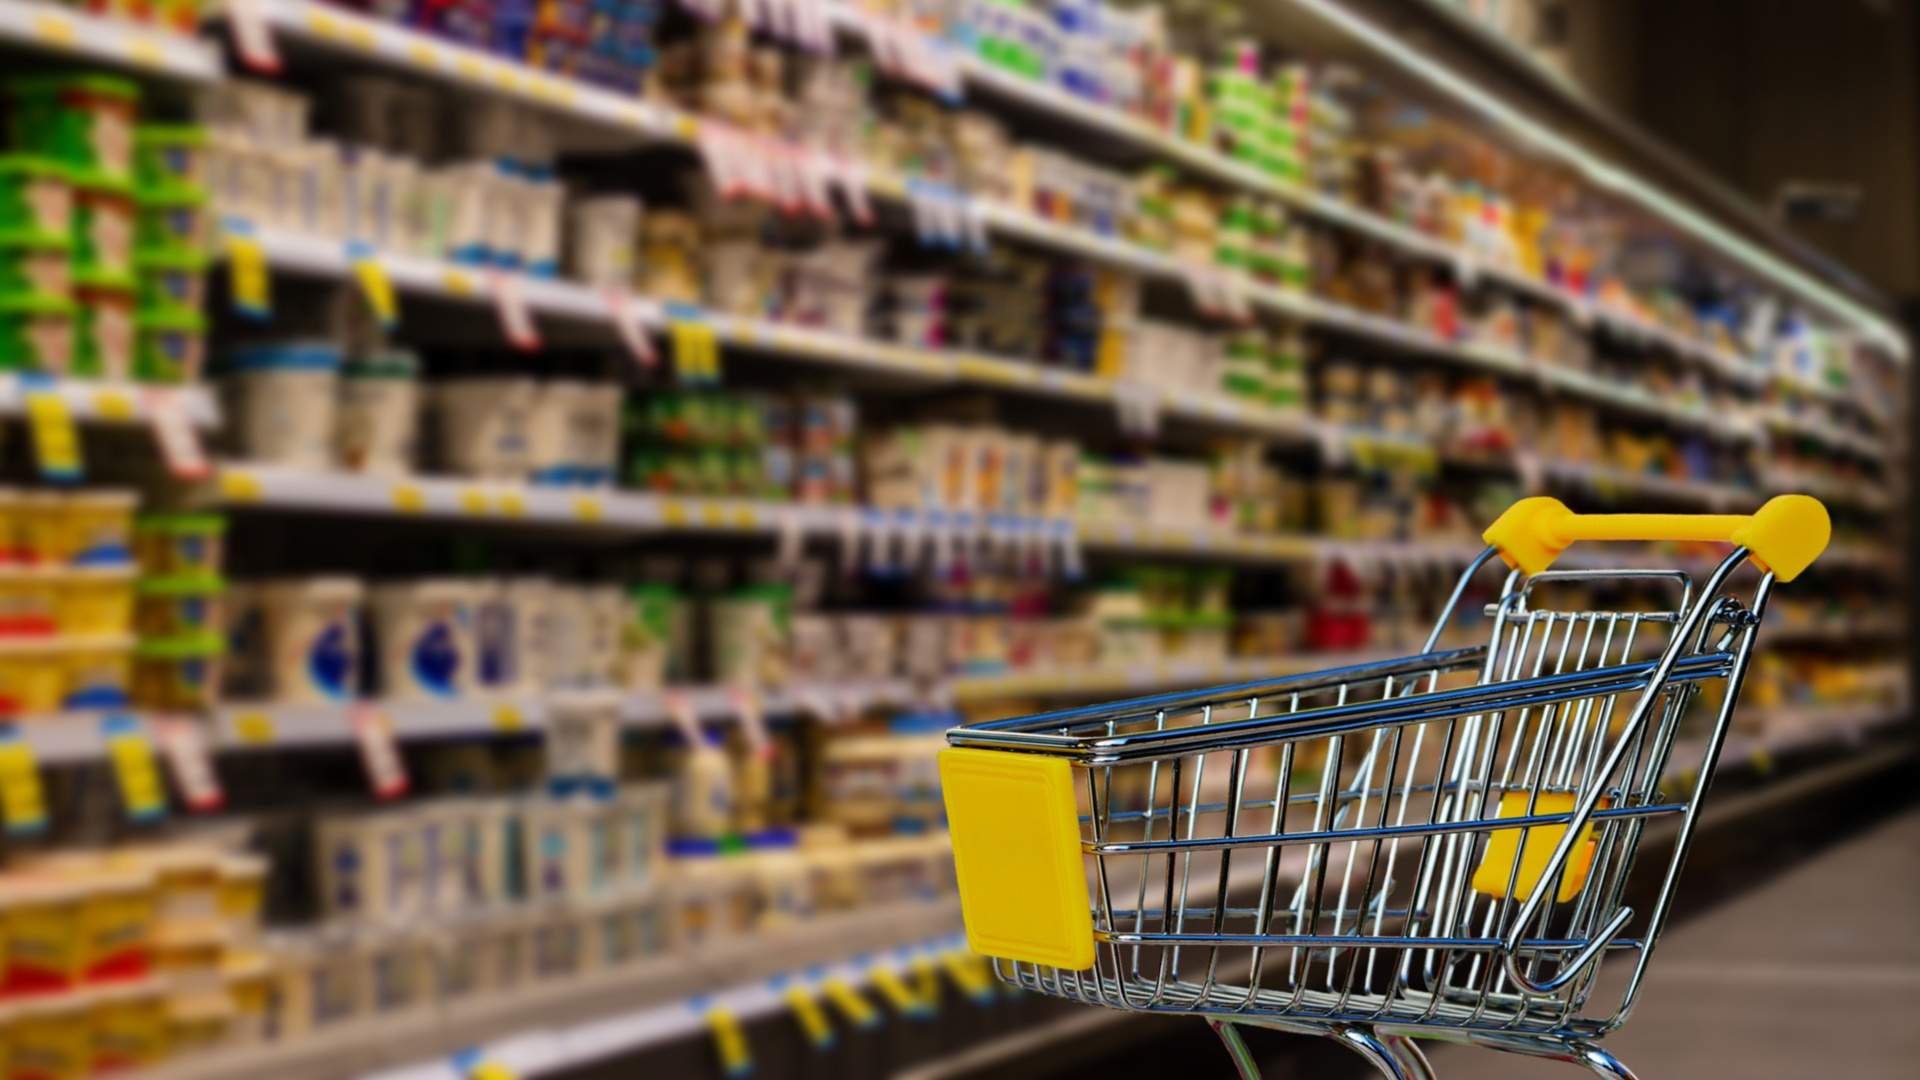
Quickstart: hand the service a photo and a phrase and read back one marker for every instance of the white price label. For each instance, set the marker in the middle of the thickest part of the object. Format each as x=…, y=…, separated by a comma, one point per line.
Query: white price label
x=685, y=718
x=752, y=719
x=379, y=751
x=510, y=304
x=174, y=433
x=626, y=322
x=252, y=38
x=183, y=745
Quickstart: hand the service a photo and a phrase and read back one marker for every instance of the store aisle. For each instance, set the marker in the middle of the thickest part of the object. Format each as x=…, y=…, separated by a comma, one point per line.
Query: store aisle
x=1816, y=974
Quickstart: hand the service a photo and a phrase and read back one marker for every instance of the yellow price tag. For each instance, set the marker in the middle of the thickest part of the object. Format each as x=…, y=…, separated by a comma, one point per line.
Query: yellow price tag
x=1762, y=760
x=967, y=972
x=926, y=980
x=686, y=126
x=374, y=284
x=145, y=51
x=587, y=508
x=811, y=1017
x=674, y=514
x=423, y=54
x=473, y=501
x=459, y=283
x=360, y=36
x=56, y=442
x=22, y=803
x=115, y=405
x=848, y=1000
x=903, y=1000
x=409, y=499
x=513, y=504
x=55, y=30
x=508, y=718
x=729, y=1041
x=696, y=351
x=467, y=66
x=254, y=729
x=746, y=518
x=491, y=1070
x=132, y=756
x=247, y=276
x=712, y=516
x=322, y=24
x=239, y=487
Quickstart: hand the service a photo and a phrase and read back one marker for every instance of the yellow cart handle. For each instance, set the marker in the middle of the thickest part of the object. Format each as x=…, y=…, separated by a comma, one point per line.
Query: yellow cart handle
x=1784, y=536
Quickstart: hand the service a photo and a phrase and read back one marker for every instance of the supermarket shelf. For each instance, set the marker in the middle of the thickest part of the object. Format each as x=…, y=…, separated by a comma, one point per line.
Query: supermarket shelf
x=110, y=402
x=1829, y=630
x=548, y=1028
x=65, y=30
x=423, y=54
x=303, y=255
x=1827, y=434
x=1605, y=175
x=1061, y=105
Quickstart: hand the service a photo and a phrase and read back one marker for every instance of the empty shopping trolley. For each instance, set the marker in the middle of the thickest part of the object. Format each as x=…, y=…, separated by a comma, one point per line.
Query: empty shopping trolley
x=1441, y=845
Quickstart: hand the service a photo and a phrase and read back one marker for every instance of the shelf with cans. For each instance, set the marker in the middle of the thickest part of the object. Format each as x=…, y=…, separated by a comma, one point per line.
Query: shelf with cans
x=1440, y=339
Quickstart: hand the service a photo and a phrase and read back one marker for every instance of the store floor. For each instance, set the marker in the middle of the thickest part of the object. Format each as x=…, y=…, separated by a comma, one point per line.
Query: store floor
x=1813, y=975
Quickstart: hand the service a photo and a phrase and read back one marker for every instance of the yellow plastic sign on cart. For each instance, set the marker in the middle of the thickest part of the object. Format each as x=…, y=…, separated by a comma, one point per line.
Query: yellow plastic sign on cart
x=1016, y=850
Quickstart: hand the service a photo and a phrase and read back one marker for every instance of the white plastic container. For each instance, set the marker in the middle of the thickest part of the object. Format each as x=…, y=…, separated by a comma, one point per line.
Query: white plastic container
x=424, y=631
x=310, y=637
x=702, y=806
x=574, y=433
x=483, y=425
x=604, y=231
x=529, y=603
x=280, y=399
x=583, y=743
x=371, y=867
x=378, y=429
x=556, y=851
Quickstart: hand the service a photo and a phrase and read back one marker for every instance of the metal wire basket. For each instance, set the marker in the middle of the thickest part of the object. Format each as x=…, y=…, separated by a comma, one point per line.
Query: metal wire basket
x=1441, y=844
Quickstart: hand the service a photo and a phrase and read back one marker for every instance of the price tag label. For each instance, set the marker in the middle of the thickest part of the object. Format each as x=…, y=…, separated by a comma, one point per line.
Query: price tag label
x=475, y=1065
x=409, y=499
x=857, y=1009
x=589, y=509
x=183, y=744
x=510, y=304
x=969, y=974
x=55, y=29
x=508, y=718
x=904, y=1001
x=474, y=501
x=175, y=435
x=23, y=804
x=685, y=718
x=114, y=405
x=696, y=352
x=729, y=1041
x=626, y=322
x=851, y=177
x=248, y=279
x=56, y=442
x=133, y=768
x=379, y=752
x=809, y=1014
x=254, y=729
x=377, y=289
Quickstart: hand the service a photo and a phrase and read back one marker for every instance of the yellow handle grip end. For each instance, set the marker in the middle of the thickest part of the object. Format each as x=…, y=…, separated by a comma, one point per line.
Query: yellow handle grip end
x=1785, y=535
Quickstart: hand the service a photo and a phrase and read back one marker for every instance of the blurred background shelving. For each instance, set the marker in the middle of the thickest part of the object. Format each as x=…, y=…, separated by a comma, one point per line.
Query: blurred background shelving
x=518, y=500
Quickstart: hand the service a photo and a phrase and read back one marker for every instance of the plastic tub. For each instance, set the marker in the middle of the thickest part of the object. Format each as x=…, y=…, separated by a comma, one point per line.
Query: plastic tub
x=425, y=634
x=105, y=341
x=40, y=266
x=281, y=400
x=177, y=673
x=29, y=606
x=98, y=676
x=243, y=881
x=172, y=345
x=36, y=199
x=103, y=229
x=197, y=1023
x=249, y=978
x=188, y=955
x=173, y=219
x=32, y=680
x=168, y=155
x=179, y=604
x=379, y=413
x=171, y=279
x=51, y=1037
x=36, y=333
x=483, y=425
x=84, y=121
x=94, y=605
x=184, y=545
x=98, y=528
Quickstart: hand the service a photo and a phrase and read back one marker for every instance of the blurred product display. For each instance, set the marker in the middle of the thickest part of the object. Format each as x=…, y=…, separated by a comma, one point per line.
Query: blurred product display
x=509, y=496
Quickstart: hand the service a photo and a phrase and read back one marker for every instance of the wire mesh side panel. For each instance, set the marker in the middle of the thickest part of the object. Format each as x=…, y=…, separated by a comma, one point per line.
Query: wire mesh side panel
x=1349, y=875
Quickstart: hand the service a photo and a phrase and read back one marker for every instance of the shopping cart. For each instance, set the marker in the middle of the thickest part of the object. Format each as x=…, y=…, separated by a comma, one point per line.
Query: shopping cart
x=1438, y=846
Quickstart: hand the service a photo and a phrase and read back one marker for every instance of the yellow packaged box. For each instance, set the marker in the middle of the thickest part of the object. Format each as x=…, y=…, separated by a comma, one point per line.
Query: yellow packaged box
x=33, y=679
x=197, y=1022
x=243, y=881
x=74, y=922
x=95, y=603
x=249, y=977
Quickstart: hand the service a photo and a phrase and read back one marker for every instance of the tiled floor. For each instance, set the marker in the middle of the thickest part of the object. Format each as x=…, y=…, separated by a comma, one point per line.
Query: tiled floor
x=1813, y=976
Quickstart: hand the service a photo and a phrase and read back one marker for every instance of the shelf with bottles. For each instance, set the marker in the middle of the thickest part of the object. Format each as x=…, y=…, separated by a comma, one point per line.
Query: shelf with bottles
x=157, y=40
